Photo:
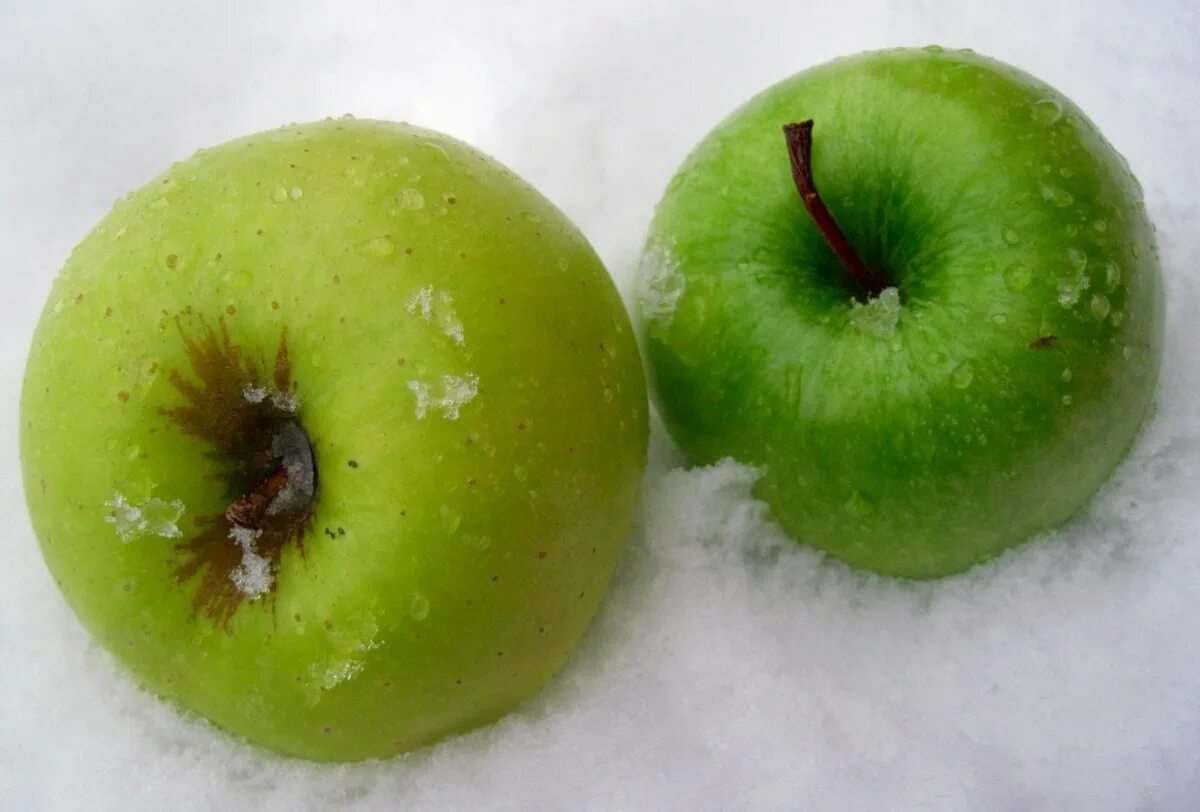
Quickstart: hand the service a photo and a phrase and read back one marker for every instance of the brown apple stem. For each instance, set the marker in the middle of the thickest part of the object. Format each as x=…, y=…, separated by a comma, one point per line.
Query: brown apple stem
x=248, y=511
x=799, y=143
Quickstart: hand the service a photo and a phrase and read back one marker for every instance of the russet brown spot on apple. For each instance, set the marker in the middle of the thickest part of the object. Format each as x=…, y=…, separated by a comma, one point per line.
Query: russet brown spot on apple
x=1043, y=342
x=245, y=411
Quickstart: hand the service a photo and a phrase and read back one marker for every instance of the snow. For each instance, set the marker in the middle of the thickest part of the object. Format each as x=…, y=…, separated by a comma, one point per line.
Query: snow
x=154, y=517
x=252, y=576
x=728, y=669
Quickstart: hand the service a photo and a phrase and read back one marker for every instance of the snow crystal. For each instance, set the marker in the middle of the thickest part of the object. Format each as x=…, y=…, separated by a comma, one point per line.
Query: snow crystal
x=285, y=401
x=879, y=315
x=153, y=517
x=457, y=391
x=660, y=286
x=437, y=307
x=252, y=576
x=254, y=394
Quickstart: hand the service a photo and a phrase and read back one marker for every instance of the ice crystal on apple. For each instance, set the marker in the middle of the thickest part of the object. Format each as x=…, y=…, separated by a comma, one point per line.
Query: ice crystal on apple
x=437, y=307
x=253, y=575
x=456, y=392
x=660, y=285
x=153, y=517
x=879, y=315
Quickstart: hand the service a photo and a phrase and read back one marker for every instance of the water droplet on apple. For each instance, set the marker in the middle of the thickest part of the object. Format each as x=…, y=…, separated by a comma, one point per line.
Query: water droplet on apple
x=933, y=49
x=1127, y=352
x=563, y=264
x=1100, y=225
x=1017, y=276
x=1112, y=276
x=1066, y=171
x=676, y=182
x=1068, y=293
x=1055, y=196
x=1066, y=400
x=436, y=149
x=999, y=319
x=133, y=452
x=530, y=217
x=963, y=375
x=1078, y=259
x=381, y=246
x=1067, y=375
x=418, y=606
x=1011, y=236
x=237, y=278
x=451, y=519
x=410, y=199
x=1072, y=230
x=279, y=195
x=1117, y=317
x=1046, y=111
x=297, y=193
x=1100, y=306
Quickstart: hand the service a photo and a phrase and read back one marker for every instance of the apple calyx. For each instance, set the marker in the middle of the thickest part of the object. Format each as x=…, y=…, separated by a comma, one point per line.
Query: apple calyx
x=248, y=418
x=799, y=145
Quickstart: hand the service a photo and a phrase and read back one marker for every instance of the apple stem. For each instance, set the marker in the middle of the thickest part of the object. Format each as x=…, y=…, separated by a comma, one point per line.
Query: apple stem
x=799, y=143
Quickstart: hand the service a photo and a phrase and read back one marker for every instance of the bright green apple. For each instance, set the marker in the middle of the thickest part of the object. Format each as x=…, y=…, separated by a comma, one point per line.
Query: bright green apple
x=333, y=435
x=991, y=368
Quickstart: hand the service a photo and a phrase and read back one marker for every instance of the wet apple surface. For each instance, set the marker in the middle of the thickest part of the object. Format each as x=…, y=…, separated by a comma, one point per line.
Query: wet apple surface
x=333, y=434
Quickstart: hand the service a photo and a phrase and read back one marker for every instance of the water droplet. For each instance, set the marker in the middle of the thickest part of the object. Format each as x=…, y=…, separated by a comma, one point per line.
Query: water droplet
x=1100, y=305
x=418, y=606
x=237, y=278
x=1127, y=352
x=563, y=264
x=1117, y=317
x=1011, y=236
x=1067, y=375
x=436, y=149
x=933, y=49
x=1072, y=230
x=676, y=182
x=1078, y=259
x=1068, y=293
x=279, y=195
x=1046, y=111
x=1112, y=276
x=380, y=246
x=450, y=519
x=1055, y=196
x=297, y=193
x=1017, y=276
x=999, y=318
x=1066, y=171
x=1066, y=400
x=133, y=452
x=530, y=217
x=963, y=375
x=410, y=199
x=1100, y=225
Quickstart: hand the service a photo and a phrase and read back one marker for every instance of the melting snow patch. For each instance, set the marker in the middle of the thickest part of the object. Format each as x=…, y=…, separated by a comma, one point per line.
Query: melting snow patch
x=437, y=307
x=252, y=576
x=457, y=391
x=153, y=517
x=660, y=285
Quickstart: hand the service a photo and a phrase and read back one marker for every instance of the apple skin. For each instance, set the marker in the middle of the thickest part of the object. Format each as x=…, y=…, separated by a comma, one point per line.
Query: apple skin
x=1030, y=319
x=452, y=561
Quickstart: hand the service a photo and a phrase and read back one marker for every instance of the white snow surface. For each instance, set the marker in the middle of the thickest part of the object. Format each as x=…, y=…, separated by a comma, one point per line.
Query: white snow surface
x=728, y=668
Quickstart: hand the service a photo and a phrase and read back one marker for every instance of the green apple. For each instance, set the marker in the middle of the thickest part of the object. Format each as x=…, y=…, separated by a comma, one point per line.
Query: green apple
x=950, y=349
x=333, y=435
